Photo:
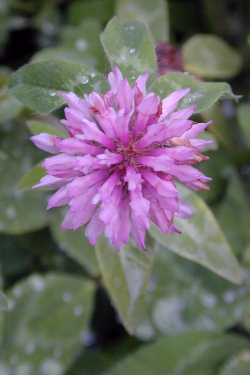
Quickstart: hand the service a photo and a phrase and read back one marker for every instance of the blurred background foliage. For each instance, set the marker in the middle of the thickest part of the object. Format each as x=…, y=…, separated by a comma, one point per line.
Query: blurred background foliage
x=55, y=314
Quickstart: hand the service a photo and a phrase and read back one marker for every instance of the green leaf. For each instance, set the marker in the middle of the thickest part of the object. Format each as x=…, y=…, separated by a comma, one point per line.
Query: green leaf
x=32, y=177
x=130, y=46
x=98, y=361
x=125, y=275
x=18, y=156
x=184, y=297
x=243, y=115
x=47, y=319
x=74, y=243
x=37, y=127
x=203, y=94
x=201, y=240
x=152, y=13
x=10, y=107
x=101, y=10
x=235, y=200
x=36, y=85
x=209, y=56
x=192, y=353
x=238, y=365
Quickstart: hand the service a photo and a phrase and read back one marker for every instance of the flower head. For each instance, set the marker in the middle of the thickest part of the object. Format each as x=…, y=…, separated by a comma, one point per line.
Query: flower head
x=116, y=170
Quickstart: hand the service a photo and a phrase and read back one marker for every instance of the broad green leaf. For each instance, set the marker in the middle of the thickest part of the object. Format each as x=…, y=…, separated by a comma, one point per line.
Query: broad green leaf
x=98, y=361
x=10, y=107
x=243, y=114
x=37, y=127
x=238, y=365
x=101, y=10
x=125, y=275
x=203, y=94
x=74, y=243
x=152, y=13
x=36, y=84
x=182, y=354
x=48, y=317
x=129, y=45
x=201, y=240
x=32, y=177
x=184, y=297
x=235, y=200
x=209, y=56
x=84, y=39
x=20, y=211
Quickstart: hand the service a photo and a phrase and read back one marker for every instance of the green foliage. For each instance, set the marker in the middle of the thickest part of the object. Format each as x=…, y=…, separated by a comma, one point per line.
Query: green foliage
x=210, y=57
x=130, y=46
x=201, y=240
x=153, y=13
x=125, y=275
x=59, y=293
x=203, y=94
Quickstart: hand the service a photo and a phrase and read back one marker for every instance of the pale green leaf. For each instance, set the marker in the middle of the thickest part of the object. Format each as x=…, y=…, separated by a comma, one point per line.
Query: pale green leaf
x=152, y=13
x=238, y=365
x=18, y=156
x=125, y=274
x=74, y=243
x=243, y=114
x=182, y=354
x=209, y=56
x=36, y=84
x=201, y=240
x=130, y=46
x=37, y=127
x=47, y=320
x=32, y=177
x=203, y=94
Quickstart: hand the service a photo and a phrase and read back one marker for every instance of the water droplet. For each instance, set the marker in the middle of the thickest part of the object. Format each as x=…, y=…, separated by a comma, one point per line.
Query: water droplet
x=130, y=27
x=87, y=337
x=52, y=93
x=78, y=310
x=11, y=304
x=24, y=369
x=51, y=367
x=67, y=297
x=93, y=75
x=132, y=50
x=84, y=80
x=17, y=291
x=229, y=296
x=37, y=283
x=208, y=300
x=30, y=348
x=81, y=44
x=11, y=212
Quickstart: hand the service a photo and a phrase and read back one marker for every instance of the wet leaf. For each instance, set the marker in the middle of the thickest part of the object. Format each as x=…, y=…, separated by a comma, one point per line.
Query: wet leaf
x=201, y=240
x=32, y=177
x=3, y=302
x=184, y=297
x=37, y=127
x=36, y=84
x=47, y=319
x=153, y=13
x=125, y=275
x=203, y=94
x=74, y=243
x=243, y=114
x=239, y=364
x=16, y=217
x=182, y=354
x=209, y=56
x=130, y=46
